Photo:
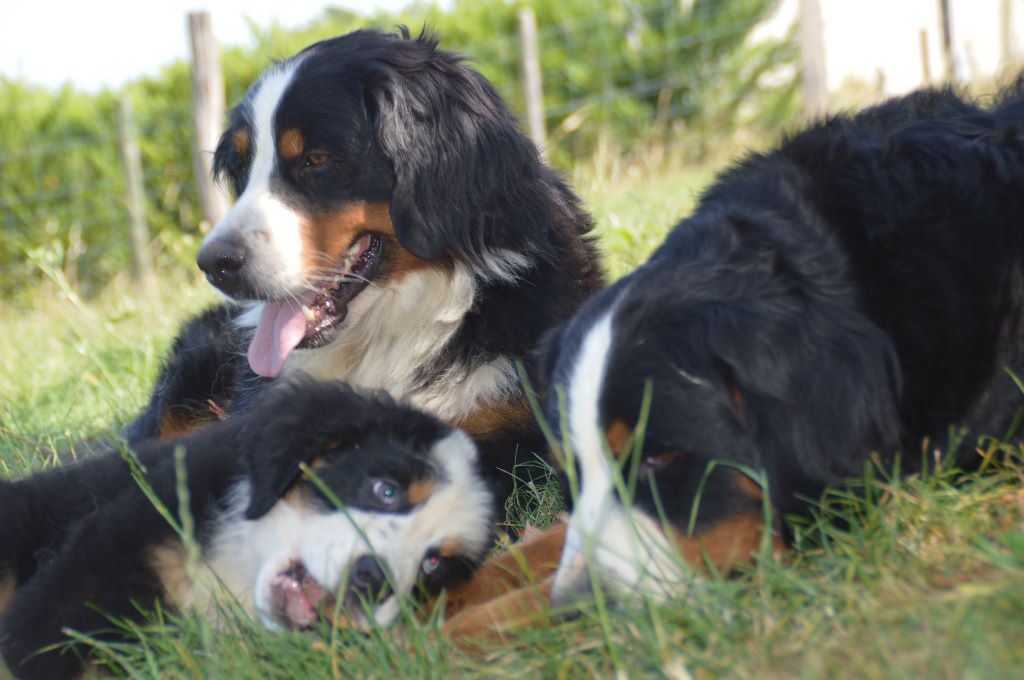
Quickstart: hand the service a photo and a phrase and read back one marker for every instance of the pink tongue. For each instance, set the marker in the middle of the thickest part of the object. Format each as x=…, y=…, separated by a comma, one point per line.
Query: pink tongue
x=282, y=327
x=291, y=600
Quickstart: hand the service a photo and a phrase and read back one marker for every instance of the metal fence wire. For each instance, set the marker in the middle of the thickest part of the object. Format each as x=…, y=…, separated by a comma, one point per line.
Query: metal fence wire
x=674, y=74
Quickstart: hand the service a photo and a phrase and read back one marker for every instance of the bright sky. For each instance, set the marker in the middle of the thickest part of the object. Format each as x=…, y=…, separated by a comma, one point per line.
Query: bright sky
x=865, y=37
x=108, y=42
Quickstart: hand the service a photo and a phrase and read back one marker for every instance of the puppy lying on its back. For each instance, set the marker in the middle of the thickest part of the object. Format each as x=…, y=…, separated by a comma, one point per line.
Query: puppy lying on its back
x=81, y=543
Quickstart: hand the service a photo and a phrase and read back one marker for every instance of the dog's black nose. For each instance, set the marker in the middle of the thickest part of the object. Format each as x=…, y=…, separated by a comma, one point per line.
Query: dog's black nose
x=367, y=578
x=222, y=261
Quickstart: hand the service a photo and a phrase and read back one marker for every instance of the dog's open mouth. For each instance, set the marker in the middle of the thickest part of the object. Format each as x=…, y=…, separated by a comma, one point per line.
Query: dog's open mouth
x=313, y=319
x=297, y=600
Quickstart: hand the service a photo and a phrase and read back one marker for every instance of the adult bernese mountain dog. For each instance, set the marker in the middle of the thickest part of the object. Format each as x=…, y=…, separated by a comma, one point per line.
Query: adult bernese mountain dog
x=844, y=300
x=320, y=504
x=393, y=228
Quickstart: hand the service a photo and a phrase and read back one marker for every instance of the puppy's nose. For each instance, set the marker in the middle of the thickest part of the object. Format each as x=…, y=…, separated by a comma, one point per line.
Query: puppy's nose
x=367, y=578
x=222, y=261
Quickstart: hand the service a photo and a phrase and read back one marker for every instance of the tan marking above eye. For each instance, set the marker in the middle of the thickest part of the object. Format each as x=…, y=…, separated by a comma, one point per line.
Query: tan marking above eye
x=618, y=434
x=291, y=144
x=450, y=547
x=241, y=141
x=420, y=490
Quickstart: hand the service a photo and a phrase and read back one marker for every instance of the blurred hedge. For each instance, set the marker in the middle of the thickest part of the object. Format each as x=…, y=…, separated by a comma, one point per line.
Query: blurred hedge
x=669, y=76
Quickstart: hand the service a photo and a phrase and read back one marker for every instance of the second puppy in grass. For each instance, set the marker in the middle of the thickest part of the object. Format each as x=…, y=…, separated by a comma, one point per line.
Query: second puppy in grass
x=842, y=301
x=322, y=504
x=845, y=300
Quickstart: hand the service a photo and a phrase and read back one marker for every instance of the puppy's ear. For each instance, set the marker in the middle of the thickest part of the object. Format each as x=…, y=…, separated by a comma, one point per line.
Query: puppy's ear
x=822, y=389
x=294, y=423
x=457, y=155
x=273, y=465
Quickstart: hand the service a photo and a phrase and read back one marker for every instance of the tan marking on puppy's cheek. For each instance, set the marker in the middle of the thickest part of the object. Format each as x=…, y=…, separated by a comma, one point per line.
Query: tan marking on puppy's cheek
x=450, y=547
x=299, y=496
x=749, y=487
x=8, y=583
x=618, y=434
x=727, y=544
x=291, y=144
x=168, y=564
x=240, y=140
x=419, y=491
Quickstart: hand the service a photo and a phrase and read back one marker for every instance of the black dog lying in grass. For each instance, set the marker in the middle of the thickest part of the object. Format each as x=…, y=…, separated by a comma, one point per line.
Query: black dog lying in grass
x=859, y=290
x=391, y=502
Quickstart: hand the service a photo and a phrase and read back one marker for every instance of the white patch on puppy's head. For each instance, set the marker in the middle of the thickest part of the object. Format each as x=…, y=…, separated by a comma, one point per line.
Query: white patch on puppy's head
x=315, y=548
x=626, y=549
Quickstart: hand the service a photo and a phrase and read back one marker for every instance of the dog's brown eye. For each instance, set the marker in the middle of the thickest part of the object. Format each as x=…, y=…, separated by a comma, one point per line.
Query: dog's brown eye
x=653, y=463
x=386, y=492
x=315, y=159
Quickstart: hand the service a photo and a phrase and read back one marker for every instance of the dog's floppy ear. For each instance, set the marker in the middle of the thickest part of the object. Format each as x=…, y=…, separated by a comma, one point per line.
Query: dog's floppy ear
x=273, y=463
x=458, y=158
x=292, y=424
x=820, y=389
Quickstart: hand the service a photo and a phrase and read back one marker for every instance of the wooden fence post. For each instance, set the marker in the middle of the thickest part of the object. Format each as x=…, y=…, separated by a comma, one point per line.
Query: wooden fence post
x=926, y=64
x=1006, y=46
x=207, y=115
x=534, y=89
x=813, y=73
x=949, y=63
x=134, y=190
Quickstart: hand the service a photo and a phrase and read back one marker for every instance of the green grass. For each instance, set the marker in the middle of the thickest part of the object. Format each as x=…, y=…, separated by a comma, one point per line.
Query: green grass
x=928, y=582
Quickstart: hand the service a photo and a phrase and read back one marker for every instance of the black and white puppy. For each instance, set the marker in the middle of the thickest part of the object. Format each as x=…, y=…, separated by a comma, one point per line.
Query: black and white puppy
x=858, y=290
x=393, y=228
x=392, y=502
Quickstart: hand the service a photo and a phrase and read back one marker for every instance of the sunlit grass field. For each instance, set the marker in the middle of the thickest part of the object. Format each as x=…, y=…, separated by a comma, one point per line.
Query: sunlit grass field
x=927, y=581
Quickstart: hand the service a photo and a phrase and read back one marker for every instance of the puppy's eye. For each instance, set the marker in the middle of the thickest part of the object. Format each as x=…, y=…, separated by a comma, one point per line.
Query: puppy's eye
x=653, y=463
x=315, y=159
x=430, y=563
x=386, y=492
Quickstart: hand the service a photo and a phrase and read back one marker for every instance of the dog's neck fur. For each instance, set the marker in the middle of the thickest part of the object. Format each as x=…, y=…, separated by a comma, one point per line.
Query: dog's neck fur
x=394, y=331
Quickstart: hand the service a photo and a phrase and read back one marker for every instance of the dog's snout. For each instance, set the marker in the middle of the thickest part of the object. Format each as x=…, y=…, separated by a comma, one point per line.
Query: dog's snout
x=368, y=579
x=223, y=261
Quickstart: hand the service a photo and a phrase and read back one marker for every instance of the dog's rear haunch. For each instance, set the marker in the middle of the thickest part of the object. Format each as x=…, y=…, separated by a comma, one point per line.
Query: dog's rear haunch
x=320, y=506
